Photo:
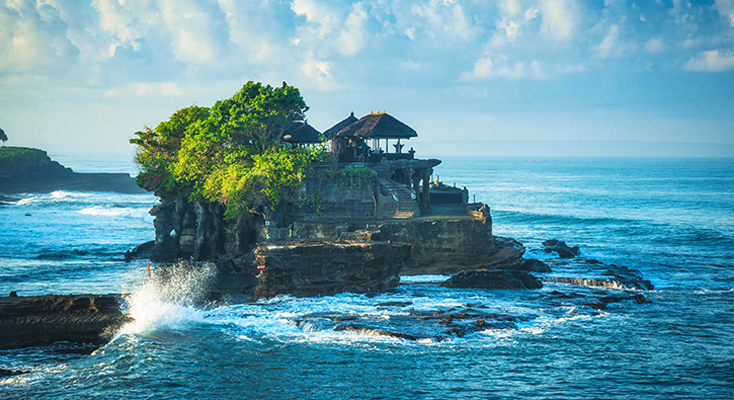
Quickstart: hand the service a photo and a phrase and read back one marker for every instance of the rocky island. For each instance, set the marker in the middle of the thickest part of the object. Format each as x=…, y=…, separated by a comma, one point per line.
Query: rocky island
x=279, y=208
x=298, y=212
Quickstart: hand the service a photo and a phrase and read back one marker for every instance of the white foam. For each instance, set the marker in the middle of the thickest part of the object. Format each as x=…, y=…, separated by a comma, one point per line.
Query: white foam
x=423, y=278
x=168, y=299
x=27, y=201
x=113, y=211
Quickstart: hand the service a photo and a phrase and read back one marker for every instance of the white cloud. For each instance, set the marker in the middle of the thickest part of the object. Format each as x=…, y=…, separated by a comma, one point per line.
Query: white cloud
x=444, y=17
x=511, y=29
x=190, y=29
x=726, y=9
x=510, y=7
x=33, y=37
x=560, y=18
x=352, y=37
x=654, y=46
x=321, y=18
x=500, y=67
x=610, y=45
x=711, y=61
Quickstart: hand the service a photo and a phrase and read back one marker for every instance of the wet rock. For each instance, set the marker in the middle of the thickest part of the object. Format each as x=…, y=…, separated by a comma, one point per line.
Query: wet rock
x=395, y=304
x=43, y=320
x=327, y=268
x=7, y=372
x=563, y=250
x=534, y=265
x=602, y=302
x=493, y=279
x=141, y=251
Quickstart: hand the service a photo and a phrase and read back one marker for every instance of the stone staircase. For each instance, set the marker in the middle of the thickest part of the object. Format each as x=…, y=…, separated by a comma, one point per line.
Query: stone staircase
x=407, y=207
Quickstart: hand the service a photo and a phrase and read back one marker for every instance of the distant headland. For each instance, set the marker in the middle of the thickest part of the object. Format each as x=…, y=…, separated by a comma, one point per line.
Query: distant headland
x=28, y=170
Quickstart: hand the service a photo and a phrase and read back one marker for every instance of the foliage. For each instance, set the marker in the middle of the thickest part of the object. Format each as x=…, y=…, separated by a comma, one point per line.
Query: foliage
x=3, y=137
x=16, y=161
x=230, y=153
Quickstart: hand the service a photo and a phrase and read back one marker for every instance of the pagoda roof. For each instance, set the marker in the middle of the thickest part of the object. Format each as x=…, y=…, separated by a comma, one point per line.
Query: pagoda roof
x=378, y=126
x=301, y=132
x=331, y=132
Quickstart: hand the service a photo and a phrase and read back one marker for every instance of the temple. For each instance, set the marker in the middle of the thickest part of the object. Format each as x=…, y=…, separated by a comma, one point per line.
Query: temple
x=376, y=141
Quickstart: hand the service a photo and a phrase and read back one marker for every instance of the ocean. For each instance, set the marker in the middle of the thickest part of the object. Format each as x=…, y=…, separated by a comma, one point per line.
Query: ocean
x=672, y=219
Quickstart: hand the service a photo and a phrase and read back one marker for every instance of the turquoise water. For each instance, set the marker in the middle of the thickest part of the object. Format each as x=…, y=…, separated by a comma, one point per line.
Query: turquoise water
x=673, y=219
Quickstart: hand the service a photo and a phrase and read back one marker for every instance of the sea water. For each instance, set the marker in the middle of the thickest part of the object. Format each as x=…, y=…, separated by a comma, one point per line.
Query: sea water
x=672, y=219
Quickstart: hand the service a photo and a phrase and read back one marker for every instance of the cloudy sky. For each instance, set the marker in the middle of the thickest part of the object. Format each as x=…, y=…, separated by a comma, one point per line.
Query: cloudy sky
x=83, y=75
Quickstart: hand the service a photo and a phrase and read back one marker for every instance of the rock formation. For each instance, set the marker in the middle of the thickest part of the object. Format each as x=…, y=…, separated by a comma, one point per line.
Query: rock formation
x=493, y=279
x=346, y=220
x=43, y=320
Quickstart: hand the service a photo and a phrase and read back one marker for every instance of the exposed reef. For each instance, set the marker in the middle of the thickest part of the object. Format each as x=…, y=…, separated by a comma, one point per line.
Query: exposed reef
x=43, y=320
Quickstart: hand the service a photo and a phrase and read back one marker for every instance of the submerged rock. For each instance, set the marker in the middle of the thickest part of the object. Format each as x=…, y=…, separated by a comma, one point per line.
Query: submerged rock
x=493, y=279
x=43, y=320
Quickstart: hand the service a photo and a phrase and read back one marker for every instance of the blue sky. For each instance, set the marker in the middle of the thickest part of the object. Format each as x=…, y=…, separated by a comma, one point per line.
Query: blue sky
x=82, y=76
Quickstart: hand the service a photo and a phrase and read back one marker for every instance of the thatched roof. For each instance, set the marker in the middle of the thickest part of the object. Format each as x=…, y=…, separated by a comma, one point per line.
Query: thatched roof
x=331, y=132
x=301, y=132
x=378, y=126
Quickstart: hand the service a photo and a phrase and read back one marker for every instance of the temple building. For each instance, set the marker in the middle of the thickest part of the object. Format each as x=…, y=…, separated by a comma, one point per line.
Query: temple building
x=300, y=133
x=376, y=140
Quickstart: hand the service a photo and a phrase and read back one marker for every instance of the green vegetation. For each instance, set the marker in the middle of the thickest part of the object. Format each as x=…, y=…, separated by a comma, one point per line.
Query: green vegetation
x=16, y=161
x=3, y=137
x=230, y=153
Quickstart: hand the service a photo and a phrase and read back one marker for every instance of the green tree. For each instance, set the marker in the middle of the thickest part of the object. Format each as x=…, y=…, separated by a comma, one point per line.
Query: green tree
x=230, y=153
x=3, y=137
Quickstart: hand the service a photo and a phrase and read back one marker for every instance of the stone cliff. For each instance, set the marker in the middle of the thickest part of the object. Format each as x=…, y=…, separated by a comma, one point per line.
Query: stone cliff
x=347, y=234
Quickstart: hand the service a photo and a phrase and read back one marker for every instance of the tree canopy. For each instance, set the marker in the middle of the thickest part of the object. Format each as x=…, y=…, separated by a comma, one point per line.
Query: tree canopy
x=229, y=153
x=3, y=136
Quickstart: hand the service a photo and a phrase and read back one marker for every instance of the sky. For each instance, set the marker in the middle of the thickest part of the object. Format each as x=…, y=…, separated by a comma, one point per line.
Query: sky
x=508, y=77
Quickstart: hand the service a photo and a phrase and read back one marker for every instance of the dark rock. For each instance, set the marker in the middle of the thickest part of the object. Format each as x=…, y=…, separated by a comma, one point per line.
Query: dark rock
x=493, y=279
x=6, y=372
x=327, y=268
x=563, y=250
x=602, y=302
x=534, y=265
x=141, y=251
x=395, y=304
x=43, y=320
x=593, y=261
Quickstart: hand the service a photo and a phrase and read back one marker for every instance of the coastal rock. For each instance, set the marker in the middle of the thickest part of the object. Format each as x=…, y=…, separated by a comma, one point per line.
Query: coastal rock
x=43, y=320
x=563, y=250
x=327, y=268
x=534, y=265
x=493, y=279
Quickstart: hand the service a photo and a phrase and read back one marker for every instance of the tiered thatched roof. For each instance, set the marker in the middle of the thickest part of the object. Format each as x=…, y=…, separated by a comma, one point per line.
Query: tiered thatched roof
x=331, y=132
x=301, y=132
x=378, y=126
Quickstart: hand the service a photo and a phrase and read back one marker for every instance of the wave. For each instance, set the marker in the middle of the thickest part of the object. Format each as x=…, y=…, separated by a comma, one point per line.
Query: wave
x=113, y=211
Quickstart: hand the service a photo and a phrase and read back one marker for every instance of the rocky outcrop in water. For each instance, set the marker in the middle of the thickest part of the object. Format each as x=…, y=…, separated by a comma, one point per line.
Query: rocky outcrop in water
x=493, y=279
x=561, y=248
x=43, y=320
x=327, y=268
